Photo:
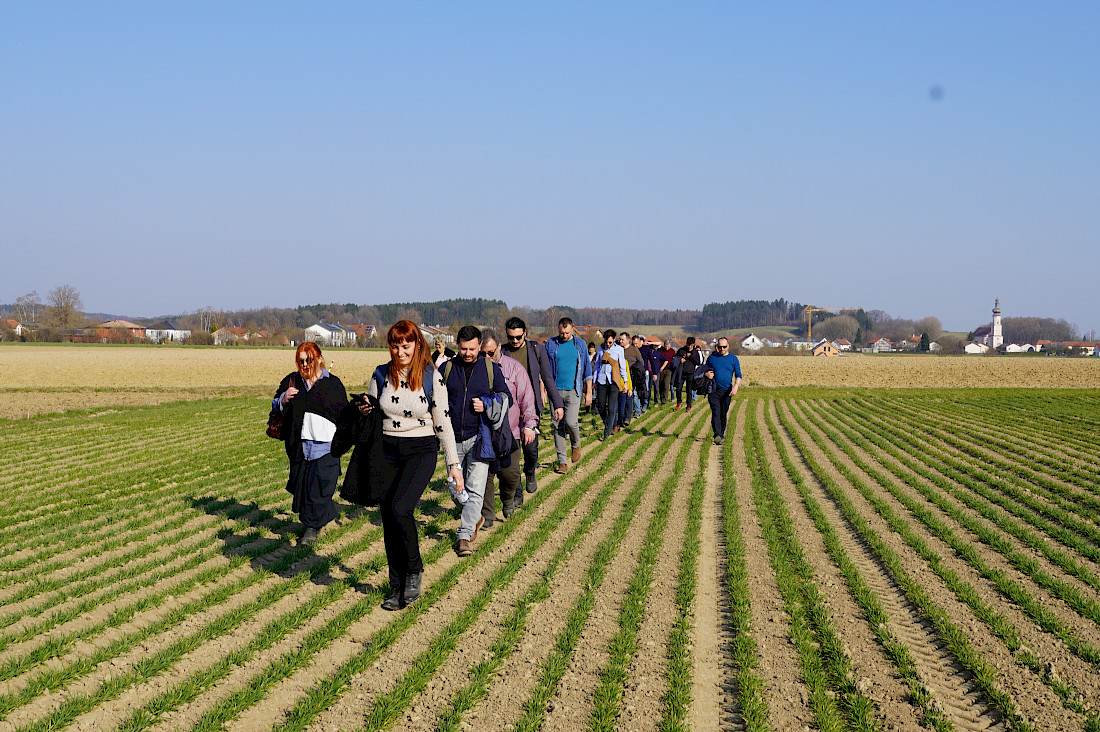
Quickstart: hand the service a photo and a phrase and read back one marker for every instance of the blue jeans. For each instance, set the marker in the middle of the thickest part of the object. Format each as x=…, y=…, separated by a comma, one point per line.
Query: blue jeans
x=626, y=408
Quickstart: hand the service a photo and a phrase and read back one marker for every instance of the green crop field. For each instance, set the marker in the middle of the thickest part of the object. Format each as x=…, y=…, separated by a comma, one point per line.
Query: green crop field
x=862, y=559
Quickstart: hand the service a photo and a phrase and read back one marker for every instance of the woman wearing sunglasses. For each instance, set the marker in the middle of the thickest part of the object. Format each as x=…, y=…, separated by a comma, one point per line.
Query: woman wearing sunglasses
x=311, y=400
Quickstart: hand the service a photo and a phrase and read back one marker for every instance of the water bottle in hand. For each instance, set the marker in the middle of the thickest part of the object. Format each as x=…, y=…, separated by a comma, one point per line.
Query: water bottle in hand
x=459, y=497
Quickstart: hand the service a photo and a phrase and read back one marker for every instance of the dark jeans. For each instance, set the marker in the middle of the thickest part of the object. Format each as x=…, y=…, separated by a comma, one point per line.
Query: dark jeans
x=510, y=487
x=655, y=389
x=607, y=402
x=530, y=465
x=719, y=410
x=685, y=383
x=410, y=462
x=626, y=408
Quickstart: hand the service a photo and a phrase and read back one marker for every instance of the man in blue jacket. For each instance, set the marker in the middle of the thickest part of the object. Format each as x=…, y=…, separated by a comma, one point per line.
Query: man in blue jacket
x=571, y=371
x=725, y=369
x=469, y=396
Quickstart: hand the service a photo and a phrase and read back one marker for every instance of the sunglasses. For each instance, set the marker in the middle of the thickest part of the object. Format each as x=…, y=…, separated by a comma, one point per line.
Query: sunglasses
x=306, y=361
x=721, y=348
x=516, y=337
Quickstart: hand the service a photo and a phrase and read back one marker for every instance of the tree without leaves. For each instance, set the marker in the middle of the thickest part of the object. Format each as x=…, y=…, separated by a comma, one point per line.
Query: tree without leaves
x=28, y=307
x=838, y=326
x=66, y=309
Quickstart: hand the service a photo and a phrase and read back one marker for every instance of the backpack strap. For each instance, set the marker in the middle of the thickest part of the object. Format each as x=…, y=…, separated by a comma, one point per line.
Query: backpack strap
x=488, y=370
x=381, y=373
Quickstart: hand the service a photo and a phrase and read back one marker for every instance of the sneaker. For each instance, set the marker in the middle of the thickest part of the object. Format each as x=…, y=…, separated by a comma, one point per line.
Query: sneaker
x=487, y=523
x=477, y=527
x=678, y=405
x=687, y=410
x=462, y=548
x=532, y=484
x=717, y=440
x=508, y=512
x=562, y=468
x=575, y=456
x=310, y=537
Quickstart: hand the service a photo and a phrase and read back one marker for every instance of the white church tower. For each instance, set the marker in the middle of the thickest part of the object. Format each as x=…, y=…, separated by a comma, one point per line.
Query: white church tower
x=995, y=336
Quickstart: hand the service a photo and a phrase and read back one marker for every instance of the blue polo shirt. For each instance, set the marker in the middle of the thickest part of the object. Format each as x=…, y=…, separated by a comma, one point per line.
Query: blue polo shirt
x=725, y=368
x=568, y=359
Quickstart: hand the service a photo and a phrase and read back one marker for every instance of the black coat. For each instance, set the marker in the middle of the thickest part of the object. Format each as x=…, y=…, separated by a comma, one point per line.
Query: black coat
x=364, y=481
x=327, y=398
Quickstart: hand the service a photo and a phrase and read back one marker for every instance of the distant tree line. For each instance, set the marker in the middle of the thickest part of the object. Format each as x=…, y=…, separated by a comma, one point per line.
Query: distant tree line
x=749, y=314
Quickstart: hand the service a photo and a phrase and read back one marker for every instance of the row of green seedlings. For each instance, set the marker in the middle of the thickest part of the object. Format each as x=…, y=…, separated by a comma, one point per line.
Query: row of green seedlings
x=103, y=462
x=104, y=517
x=1041, y=446
x=948, y=475
x=1028, y=414
x=252, y=543
x=608, y=696
x=677, y=696
x=1057, y=497
x=826, y=668
x=289, y=662
x=846, y=441
x=62, y=643
x=751, y=698
x=329, y=690
x=387, y=708
x=950, y=633
x=978, y=439
x=869, y=602
x=68, y=673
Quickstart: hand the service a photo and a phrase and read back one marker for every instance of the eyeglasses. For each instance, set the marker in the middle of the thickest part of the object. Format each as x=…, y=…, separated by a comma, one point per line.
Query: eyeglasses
x=516, y=337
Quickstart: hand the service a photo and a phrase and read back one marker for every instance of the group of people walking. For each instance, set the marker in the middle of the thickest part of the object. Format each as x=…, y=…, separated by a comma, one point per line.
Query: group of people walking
x=482, y=406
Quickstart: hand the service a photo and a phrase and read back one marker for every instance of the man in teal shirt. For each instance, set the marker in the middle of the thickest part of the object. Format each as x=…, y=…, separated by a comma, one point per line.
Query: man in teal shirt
x=572, y=373
x=725, y=369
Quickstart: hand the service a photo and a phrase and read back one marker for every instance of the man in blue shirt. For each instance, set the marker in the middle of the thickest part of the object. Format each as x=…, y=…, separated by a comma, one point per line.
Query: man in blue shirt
x=725, y=369
x=571, y=370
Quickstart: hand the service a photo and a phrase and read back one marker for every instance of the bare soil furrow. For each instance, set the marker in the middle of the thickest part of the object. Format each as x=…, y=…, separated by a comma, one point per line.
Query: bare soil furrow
x=712, y=667
x=1050, y=649
x=944, y=675
x=788, y=697
x=876, y=676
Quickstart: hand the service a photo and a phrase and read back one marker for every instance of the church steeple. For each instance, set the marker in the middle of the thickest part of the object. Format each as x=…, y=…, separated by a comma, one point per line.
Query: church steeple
x=995, y=338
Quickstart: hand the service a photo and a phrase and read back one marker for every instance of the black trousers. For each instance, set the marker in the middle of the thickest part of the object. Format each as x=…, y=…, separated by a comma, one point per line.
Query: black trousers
x=607, y=401
x=410, y=462
x=719, y=410
x=510, y=487
x=313, y=483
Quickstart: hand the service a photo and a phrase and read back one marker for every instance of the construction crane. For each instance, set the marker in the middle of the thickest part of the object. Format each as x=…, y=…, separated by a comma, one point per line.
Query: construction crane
x=810, y=310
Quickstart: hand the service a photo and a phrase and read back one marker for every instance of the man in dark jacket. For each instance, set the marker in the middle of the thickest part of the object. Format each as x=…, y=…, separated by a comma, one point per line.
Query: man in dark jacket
x=470, y=395
x=532, y=356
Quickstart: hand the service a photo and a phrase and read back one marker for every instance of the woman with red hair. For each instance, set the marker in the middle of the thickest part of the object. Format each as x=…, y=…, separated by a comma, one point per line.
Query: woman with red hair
x=311, y=400
x=413, y=399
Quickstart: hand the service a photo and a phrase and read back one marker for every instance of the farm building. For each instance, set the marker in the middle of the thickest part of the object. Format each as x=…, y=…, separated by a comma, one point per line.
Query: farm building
x=974, y=348
x=167, y=331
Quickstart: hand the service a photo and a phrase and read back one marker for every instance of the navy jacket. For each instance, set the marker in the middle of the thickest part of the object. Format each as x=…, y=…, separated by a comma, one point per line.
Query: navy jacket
x=460, y=393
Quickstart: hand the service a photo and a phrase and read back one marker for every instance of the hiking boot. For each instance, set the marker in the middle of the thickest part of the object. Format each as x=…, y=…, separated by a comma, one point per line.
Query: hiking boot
x=477, y=527
x=575, y=456
x=462, y=548
x=412, y=587
x=562, y=468
x=717, y=440
x=393, y=600
x=310, y=537
x=508, y=512
x=532, y=484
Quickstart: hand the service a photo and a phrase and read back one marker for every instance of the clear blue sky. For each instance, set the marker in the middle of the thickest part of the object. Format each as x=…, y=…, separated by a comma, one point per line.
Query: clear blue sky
x=920, y=158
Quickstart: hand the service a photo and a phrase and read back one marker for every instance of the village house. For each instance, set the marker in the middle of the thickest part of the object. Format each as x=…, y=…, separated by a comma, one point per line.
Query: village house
x=880, y=345
x=432, y=332
x=229, y=335
x=842, y=344
x=825, y=348
x=751, y=343
x=15, y=325
x=167, y=331
x=974, y=348
x=331, y=334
